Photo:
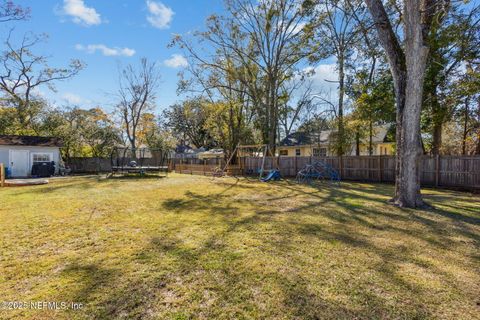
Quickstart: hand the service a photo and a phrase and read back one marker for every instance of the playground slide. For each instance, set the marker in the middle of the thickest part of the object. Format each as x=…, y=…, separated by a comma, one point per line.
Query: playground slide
x=273, y=175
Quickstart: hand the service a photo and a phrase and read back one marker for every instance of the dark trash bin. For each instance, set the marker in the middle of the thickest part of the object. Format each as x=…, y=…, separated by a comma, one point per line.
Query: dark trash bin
x=43, y=169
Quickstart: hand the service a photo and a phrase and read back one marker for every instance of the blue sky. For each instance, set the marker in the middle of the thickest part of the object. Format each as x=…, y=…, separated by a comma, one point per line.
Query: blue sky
x=106, y=34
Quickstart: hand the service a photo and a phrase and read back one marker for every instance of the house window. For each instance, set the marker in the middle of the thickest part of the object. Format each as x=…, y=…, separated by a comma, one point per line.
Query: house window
x=319, y=152
x=284, y=152
x=297, y=152
x=41, y=157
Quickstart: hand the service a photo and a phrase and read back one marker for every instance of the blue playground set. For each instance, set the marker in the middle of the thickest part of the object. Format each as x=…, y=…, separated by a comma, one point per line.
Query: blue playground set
x=318, y=171
x=273, y=175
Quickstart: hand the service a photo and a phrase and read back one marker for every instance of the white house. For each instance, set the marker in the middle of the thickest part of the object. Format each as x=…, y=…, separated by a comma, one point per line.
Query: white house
x=20, y=153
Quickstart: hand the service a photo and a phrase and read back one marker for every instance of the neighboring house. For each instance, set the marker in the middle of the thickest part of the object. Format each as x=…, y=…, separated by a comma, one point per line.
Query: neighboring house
x=184, y=151
x=20, y=153
x=301, y=144
x=211, y=154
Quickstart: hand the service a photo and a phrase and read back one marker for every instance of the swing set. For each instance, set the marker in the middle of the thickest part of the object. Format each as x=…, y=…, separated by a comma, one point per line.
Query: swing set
x=244, y=157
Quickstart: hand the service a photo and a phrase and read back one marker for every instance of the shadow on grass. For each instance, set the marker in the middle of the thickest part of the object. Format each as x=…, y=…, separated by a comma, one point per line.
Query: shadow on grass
x=130, y=177
x=215, y=204
x=109, y=293
x=84, y=183
x=60, y=185
x=179, y=274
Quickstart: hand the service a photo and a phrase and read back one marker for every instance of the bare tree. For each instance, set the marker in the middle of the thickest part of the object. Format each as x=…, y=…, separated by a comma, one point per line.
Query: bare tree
x=9, y=11
x=408, y=70
x=22, y=73
x=262, y=43
x=295, y=100
x=137, y=96
x=337, y=26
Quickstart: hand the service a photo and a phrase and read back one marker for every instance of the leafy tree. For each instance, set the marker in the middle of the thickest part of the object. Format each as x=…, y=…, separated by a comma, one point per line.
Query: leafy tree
x=454, y=41
x=467, y=92
x=222, y=119
x=374, y=103
x=188, y=122
x=8, y=117
x=85, y=133
x=152, y=134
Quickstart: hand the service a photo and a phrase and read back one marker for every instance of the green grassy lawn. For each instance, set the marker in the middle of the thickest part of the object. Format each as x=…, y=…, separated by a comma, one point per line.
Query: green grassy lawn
x=190, y=247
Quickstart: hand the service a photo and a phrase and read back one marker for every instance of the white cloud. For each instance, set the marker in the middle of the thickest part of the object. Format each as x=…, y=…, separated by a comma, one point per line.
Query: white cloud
x=71, y=98
x=294, y=29
x=106, y=51
x=80, y=13
x=324, y=77
x=160, y=15
x=176, y=61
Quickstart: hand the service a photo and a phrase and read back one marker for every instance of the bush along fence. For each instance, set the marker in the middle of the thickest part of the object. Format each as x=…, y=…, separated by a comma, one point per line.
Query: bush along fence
x=437, y=171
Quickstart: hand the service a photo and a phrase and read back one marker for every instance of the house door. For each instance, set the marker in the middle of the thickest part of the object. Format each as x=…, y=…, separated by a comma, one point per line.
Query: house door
x=19, y=163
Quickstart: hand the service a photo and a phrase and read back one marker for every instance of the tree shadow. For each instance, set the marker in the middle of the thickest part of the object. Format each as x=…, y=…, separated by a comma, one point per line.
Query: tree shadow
x=211, y=278
x=56, y=185
x=130, y=177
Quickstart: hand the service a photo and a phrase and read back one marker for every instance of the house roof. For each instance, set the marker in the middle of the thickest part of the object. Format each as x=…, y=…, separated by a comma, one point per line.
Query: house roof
x=186, y=149
x=14, y=140
x=380, y=134
x=301, y=138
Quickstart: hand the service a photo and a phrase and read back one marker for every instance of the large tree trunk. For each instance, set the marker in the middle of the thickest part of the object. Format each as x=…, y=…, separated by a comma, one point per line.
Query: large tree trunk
x=396, y=59
x=408, y=71
x=416, y=54
x=399, y=86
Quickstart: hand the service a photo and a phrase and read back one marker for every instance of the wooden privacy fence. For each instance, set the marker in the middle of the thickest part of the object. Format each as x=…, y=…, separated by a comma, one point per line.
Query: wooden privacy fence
x=446, y=171
x=212, y=161
x=205, y=169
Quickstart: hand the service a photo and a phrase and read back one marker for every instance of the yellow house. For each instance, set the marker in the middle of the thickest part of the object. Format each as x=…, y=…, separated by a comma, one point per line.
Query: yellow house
x=301, y=144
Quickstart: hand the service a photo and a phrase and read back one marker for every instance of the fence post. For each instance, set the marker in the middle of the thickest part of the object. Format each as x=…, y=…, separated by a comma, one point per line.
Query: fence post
x=437, y=170
x=341, y=167
x=381, y=168
x=296, y=167
x=2, y=175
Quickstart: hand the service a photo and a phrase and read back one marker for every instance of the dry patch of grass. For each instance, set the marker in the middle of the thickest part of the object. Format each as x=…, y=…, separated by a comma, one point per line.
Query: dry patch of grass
x=187, y=247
